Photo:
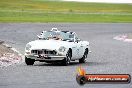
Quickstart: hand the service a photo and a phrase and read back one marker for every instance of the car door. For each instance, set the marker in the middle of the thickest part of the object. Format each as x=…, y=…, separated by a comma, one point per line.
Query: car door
x=80, y=49
x=75, y=51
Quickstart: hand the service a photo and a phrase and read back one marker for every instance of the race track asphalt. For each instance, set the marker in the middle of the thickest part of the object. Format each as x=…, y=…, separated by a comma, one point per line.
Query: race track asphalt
x=108, y=55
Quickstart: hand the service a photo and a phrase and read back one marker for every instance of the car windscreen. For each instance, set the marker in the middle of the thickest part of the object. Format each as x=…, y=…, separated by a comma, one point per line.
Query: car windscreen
x=53, y=34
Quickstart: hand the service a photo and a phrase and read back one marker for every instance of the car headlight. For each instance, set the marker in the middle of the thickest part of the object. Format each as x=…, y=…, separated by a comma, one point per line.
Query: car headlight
x=28, y=46
x=62, y=49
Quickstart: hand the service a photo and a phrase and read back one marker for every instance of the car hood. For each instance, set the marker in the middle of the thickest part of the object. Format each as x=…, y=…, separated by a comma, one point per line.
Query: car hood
x=49, y=44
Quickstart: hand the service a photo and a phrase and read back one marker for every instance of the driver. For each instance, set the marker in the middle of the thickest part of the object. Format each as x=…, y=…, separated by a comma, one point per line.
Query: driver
x=55, y=37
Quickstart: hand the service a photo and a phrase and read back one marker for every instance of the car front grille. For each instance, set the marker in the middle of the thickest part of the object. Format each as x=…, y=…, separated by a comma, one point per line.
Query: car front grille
x=43, y=51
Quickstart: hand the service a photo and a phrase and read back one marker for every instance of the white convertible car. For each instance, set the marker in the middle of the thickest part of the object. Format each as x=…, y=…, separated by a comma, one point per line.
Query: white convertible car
x=56, y=46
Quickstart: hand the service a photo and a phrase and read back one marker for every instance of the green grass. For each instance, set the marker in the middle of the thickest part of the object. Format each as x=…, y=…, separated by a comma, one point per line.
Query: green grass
x=57, y=11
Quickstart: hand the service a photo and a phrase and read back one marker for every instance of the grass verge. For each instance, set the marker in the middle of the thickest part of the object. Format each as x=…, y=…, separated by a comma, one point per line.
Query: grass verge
x=57, y=11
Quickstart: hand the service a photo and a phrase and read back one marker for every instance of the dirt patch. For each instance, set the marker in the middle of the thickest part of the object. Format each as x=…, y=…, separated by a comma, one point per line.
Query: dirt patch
x=129, y=36
x=125, y=37
x=8, y=56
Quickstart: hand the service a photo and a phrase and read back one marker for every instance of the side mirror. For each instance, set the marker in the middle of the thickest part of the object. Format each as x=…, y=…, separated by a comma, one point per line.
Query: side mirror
x=39, y=37
x=78, y=40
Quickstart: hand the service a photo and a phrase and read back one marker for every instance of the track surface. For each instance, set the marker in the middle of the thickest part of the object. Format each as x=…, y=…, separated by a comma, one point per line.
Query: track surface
x=108, y=56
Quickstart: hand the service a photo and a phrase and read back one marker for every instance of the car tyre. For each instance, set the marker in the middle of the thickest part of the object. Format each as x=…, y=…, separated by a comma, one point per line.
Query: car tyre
x=83, y=59
x=29, y=61
x=66, y=60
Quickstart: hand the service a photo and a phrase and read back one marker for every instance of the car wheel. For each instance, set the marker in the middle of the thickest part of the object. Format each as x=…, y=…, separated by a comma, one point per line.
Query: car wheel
x=66, y=60
x=83, y=59
x=81, y=80
x=29, y=61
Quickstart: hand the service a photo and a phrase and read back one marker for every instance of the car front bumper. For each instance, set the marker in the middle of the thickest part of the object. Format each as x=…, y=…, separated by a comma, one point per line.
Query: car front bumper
x=46, y=58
